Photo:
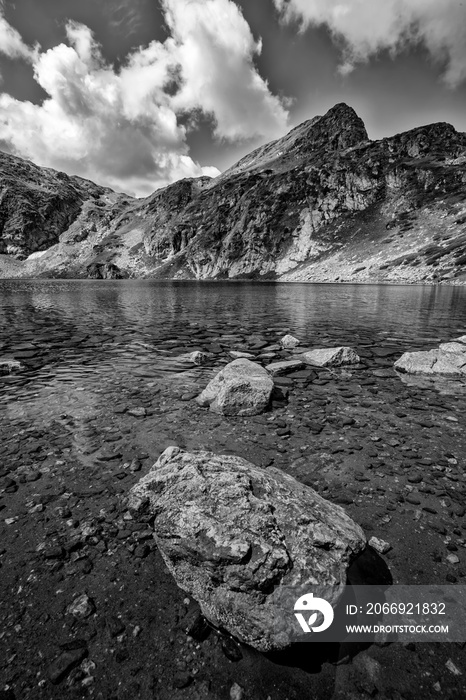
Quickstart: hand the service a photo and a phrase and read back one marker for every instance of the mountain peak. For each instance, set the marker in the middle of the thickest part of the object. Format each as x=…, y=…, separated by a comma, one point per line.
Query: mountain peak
x=341, y=109
x=342, y=126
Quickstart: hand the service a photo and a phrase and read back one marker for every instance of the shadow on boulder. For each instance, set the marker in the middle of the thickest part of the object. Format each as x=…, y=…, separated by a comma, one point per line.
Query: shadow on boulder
x=367, y=569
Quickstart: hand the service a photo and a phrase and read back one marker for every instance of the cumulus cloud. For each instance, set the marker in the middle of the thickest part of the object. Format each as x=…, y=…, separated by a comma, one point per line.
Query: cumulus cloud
x=93, y=125
x=365, y=27
x=215, y=50
x=123, y=128
x=11, y=43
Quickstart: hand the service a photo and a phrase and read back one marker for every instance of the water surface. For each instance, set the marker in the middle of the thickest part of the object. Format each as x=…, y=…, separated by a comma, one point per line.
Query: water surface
x=76, y=339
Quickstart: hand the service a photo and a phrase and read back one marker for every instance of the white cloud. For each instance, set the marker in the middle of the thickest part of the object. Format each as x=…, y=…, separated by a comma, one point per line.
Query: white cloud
x=121, y=128
x=215, y=48
x=11, y=43
x=91, y=124
x=365, y=27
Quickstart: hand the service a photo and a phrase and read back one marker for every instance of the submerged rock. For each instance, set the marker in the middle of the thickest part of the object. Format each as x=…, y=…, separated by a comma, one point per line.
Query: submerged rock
x=232, y=534
x=278, y=368
x=7, y=366
x=331, y=357
x=380, y=545
x=242, y=388
x=81, y=607
x=198, y=358
x=63, y=664
x=448, y=360
x=288, y=342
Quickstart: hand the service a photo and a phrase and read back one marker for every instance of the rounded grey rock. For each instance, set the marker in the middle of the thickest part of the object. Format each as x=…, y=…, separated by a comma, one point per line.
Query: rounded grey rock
x=234, y=536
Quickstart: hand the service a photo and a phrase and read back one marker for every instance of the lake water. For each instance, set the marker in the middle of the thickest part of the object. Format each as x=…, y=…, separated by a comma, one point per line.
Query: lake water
x=49, y=312
x=81, y=340
x=68, y=332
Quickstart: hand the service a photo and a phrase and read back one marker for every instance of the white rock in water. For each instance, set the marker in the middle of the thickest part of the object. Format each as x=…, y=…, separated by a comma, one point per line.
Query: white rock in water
x=138, y=411
x=331, y=357
x=8, y=365
x=234, y=536
x=198, y=357
x=453, y=668
x=453, y=347
x=288, y=342
x=241, y=388
x=81, y=607
x=236, y=692
x=453, y=559
x=278, y=368
x=440, y=362
x=379, y=545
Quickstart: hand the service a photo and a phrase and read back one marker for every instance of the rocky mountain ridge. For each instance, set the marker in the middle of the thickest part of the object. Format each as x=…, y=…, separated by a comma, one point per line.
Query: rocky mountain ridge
x=323, y=203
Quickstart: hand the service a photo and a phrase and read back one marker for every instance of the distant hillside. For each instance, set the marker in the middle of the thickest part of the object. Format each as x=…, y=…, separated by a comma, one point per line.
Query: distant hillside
x=323, y=203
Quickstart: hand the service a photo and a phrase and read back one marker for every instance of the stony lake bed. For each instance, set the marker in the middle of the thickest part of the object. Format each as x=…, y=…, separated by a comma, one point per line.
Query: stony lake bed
x=89, y=608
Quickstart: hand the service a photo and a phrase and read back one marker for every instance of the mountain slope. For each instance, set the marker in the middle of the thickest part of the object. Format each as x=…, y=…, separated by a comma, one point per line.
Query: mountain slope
x=38, y=204
x=323, y=203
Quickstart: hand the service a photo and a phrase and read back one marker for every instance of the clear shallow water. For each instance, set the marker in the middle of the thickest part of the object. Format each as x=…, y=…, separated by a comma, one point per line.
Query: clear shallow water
x=105, y=389
x=76, y=338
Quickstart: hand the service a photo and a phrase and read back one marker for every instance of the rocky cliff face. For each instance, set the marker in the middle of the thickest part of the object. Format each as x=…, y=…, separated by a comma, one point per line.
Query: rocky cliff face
x=37, y=205
x=324, y=203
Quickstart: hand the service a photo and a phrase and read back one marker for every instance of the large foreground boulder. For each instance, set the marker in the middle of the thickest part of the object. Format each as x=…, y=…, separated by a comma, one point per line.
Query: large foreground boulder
x=331, y=357
x=242, y=388
x=233, y=535
x=448, y=360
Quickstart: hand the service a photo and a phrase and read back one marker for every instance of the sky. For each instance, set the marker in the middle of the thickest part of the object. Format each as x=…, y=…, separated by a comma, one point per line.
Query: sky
x=136, y=94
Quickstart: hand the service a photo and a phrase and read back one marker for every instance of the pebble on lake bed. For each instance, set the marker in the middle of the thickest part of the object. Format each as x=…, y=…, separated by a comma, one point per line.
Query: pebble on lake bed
x=64, y=663
x=137, y=411
x=198, y=358
x=236, y=692
x=379, y=545
x=288, y=342
x=81, y=607
x=8, y=366
x=453, y=559
x=453, y=668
